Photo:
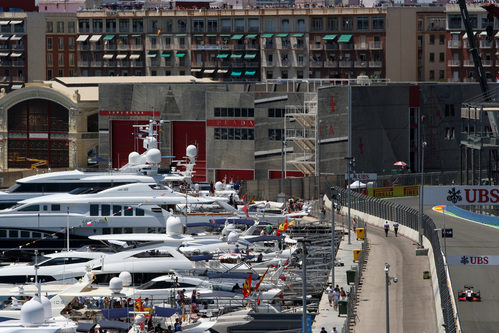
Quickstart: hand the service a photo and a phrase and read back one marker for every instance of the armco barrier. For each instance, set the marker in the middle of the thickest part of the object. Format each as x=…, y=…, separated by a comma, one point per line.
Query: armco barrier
x=377, y=211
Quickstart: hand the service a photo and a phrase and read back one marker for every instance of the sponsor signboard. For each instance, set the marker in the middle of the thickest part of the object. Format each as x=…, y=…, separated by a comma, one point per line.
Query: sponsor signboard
x=460, y=195
x=393, y=191
x=473, y=260
x=362, y=176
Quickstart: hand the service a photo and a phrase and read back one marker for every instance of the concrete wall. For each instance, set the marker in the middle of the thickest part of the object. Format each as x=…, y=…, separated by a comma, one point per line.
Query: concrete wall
x=36, y=62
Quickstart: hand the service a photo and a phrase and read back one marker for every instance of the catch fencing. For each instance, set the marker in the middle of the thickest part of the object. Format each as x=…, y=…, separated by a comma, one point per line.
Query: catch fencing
x=389, y=210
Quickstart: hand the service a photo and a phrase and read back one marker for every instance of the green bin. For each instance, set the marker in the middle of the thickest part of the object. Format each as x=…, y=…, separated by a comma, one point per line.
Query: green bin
x=426, y=275
x=350, y=276
x=342, y=307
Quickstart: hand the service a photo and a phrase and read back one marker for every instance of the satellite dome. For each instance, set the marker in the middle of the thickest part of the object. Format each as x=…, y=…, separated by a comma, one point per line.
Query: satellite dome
x=191, y=151
x=126, y=277
x=47, y=307
x=174, y=226
x=233, y=237
x=219, y=186
x=139, y=318
x=32, y=312
x=153, y=156
x=116, y=284
x=133, y=158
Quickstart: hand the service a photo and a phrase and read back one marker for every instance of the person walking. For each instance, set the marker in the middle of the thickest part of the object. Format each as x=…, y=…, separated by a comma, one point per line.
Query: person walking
x=395, y=227
x=343, y=294
x=387, y=227
x=336, y=298
x=323, y=330
x=329, y=292
x=334, y=330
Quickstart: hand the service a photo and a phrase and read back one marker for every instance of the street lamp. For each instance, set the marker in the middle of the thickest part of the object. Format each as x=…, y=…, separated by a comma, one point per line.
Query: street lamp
x=318, y=163
x=388, y=280
x=67, y=227
x=281, y=197
x=304, y=281
x=420, y=221
x=350, y=165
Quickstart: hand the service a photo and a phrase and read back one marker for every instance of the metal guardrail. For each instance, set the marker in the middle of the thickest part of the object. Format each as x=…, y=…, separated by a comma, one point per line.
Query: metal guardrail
x=406, y=216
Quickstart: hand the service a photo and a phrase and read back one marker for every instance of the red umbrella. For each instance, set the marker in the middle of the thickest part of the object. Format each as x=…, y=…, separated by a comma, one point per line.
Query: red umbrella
x=400, y=163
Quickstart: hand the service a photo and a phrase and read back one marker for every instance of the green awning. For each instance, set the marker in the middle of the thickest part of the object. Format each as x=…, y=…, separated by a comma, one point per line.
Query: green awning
x=250, y=36
x=166, y=54
x=181, y=35
x=236, y=55
x=267, y=35
x=224, y=35
x=282, y=35
x=180, y=54
x=300, y=34
x=250, y=73
x=211, y=35
x=234, y=73
x=329, y=37
x=250, y=56
x=151, y=54
x=108, y=37
x=237, y=37
x=123, y=35
x=136, y=35
x=198, y=35
x=222, y=55
x=344, y=38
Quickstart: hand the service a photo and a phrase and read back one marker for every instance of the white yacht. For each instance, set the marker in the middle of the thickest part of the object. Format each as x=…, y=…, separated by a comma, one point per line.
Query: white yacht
x=141, y=168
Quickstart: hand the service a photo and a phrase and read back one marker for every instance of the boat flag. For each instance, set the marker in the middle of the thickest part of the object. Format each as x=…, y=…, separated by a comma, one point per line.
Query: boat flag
x=138, y=305
x=247, y=286
x=292, y=223
x=261, y=279
x=245, y=210
x=158, y=32
x=282, y=227
x=258, y=299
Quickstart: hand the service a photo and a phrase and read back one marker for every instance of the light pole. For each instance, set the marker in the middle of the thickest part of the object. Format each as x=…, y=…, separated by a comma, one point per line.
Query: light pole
x=420, y=221
x=333, y=245
x=281, y=197
x=67, y=227
x=388, y=279
x=351, y=163
x=444, y=233
x=318, y=163
x=304, y=282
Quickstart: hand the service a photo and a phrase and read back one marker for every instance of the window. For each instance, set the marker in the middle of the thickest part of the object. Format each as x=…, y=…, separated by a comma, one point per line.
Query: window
x=49, y=43
x=420, y=25
x=441, y=39
x=71, y=59
x=270, y=74
x=239, y=25
x=362, y=23
x=441, y=57
x=129, y=211
x=71, y=27
x=50, y=27
x=98, y=26
x=60, y=59
x=269, y=26
x=55, y=208
x=455, y=21
x=116, y=210
x=441, y=75
x=50, y=59
x=181, y=26
x=432, y=39
x=378, y=23
x=138, y=26
x=105, y=210
x=124, y=25
x=449, y=110
x=276, y=112
x=432, y=57
x=301, y=25
x=234, y=112
x=71, y=43
x=60, y=43
x=449, y=133
x=60, y=73
x=50, y=74
x=94, y=210
x=474, y=21
x=110, y=25
x=253, y=25
x=432, y=75
x=332, y=24
x=317, y=24
x=226, y=25
x=347, y=24
x=285, y=25
x=276, y=134
x=212, y=26
x=228, y=133
x=197, y=26
x=60, y=27
x=139, y=212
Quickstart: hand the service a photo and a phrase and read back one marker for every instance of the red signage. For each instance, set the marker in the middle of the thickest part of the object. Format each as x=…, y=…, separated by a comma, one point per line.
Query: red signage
x=482, y=195
x=230, y=123
x=130, y=113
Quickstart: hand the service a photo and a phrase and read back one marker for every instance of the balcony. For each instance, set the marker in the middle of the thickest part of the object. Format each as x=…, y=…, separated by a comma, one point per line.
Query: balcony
x=331, y=64
x=454, y=63
x=210, y=64
x=375, y=45
x=361, y=46
x=238, y=47
x=18, y=47
x=484, y=44
x=298, y=46
x=346, y=63
x=346, y=46
x=252, y=47
x=487, y=63
x=301, y=63
x=123, y=63
x=110, y=47
x=285, y=63
x=252, y=64
x=4, y=47
x=156, y=63
x=268, y=63
x=83, y=47
x=135, y=47
x=333, y=47
x=375, y=64
x=83, y=63
x=269, y=46
x=5, y=63
x=110, y=63
x=360, y=64
x=237, y=64
x=315, y=63
x=136, y=63
x=468, y=63
x=454, y=44
x=315, y=46
x=18, y=63
x=96, y=47
x=96, y=63
x=123, y=47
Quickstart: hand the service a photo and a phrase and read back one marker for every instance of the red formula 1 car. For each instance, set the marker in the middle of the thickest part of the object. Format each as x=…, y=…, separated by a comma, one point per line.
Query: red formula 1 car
x=469, y=294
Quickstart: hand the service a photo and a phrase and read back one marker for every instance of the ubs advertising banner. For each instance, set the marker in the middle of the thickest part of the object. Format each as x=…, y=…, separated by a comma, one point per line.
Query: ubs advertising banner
x=473, y=260
x=460, y=195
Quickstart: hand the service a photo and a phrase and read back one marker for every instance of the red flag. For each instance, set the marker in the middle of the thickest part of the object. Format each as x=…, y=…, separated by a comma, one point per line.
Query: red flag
x=258, y=299
x=244, y=196
x=245, y=210
x=282, y=227
x=247, y=286
x=138, y=305
x=261, y=279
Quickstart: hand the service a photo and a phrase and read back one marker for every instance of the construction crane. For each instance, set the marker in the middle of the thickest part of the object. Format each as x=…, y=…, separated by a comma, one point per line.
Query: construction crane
x=492, y=11
x=35, y=162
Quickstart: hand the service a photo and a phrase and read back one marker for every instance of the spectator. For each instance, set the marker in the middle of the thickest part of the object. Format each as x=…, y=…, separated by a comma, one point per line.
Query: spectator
x=386, y=227
x=395, y=227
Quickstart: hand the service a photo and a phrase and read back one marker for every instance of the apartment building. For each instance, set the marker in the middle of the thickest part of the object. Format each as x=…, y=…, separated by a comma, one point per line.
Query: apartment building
x=460, y=66
x=60, y=45
x=431, y=39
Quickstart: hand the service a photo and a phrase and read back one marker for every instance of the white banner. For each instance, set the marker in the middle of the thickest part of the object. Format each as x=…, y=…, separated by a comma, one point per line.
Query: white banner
x=362, y=176
x=473, y=260
x=460, y=195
